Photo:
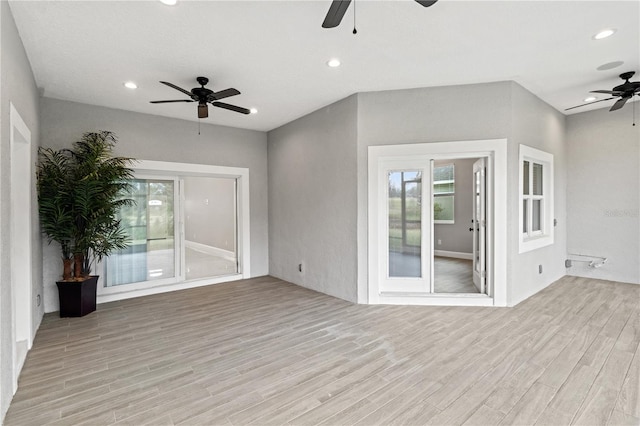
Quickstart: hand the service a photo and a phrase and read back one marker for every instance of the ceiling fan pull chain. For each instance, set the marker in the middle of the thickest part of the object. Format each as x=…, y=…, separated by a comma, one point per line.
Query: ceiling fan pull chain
x=354, y=18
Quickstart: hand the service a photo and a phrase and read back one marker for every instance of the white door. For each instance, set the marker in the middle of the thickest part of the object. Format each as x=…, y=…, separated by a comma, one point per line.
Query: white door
x=404, y=247
x=479, y=225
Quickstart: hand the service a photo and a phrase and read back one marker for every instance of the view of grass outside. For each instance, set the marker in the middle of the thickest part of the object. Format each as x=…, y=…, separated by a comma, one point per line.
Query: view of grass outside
x=412, y=221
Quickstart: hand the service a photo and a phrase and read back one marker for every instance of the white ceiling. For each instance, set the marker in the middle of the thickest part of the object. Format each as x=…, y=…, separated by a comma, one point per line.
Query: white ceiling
x=275, y=52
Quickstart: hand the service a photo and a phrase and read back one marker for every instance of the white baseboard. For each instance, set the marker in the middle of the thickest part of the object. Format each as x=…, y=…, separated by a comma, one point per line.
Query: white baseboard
x=454, y=254
x=214, y=251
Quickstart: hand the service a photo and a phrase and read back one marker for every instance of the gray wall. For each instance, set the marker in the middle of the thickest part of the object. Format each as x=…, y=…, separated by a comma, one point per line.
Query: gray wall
x=17, y=86
x=312, y=200
x=438, y=114
x=536, y=124
x=456, y=236
x=480, y=111
x=149, y=137
x=603, y=192
x=209, y=208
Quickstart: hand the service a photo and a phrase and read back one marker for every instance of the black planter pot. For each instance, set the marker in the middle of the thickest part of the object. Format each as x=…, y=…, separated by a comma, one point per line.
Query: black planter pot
x=77, y=298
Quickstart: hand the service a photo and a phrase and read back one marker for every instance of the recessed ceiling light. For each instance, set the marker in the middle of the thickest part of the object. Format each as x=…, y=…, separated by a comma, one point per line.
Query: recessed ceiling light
x=253, y=111
x=130, y=85
x=169, y=2
x=604, y=34
x=590, y=99
x=333, y=63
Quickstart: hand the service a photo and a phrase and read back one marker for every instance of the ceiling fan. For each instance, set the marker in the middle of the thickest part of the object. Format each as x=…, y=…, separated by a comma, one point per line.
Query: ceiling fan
x=624, y=92
x=339, y=7
x=202, y=95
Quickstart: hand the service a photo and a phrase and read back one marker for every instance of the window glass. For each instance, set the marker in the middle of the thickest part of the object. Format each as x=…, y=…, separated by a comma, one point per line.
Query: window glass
x=537, y=179
x=536, y=216
x=405, y=223
x=525, y=176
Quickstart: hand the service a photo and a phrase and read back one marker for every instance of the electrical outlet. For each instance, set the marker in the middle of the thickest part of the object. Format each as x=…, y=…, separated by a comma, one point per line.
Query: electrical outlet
x=439, y=242
x=539, y=269
x=38, y=300
x=300, y=267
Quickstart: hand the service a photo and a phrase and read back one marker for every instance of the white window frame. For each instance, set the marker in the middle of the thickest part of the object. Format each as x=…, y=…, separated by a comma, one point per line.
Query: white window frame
x=532, y=240
x=446, y=194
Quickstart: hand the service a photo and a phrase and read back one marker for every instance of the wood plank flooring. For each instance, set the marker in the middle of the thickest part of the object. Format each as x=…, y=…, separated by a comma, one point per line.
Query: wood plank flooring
x=267, y=352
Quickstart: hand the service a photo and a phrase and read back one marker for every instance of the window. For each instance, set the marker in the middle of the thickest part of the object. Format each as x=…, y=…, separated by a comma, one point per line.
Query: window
x=443, y=193
x=536, y=199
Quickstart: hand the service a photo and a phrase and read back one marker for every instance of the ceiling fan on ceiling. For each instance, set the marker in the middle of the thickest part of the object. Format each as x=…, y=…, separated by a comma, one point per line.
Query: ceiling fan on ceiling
x=205, y=96
x=623, y=92
x=339, y=7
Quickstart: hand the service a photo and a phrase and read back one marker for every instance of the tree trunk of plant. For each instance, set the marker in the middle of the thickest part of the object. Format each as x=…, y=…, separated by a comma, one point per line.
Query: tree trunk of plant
x=66, y=272
x=79, y=263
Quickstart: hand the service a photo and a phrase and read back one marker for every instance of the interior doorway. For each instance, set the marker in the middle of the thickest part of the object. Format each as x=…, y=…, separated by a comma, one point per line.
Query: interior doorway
x=21, y=262
x=459, y=227
x=436, y=214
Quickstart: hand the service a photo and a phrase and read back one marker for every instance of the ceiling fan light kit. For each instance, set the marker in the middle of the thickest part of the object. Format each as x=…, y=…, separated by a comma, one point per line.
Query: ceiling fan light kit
x=205, y=96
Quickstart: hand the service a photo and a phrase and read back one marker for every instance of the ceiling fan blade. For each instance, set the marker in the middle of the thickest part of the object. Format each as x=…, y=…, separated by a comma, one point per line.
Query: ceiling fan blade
x=177, y=100
x=426, y=3
x=589, y=103
x=224, y=94
x=231, y=107
x=335, y=13
x=620, y=103
x=186, y=92
x=203, y=110
x=608, y=92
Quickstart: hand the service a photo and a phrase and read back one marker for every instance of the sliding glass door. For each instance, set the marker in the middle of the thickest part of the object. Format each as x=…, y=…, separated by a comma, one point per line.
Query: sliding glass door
x=150, y=226
x=181, y=228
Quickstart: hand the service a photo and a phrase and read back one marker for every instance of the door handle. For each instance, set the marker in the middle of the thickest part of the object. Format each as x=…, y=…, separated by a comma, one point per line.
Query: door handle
x=471, y=229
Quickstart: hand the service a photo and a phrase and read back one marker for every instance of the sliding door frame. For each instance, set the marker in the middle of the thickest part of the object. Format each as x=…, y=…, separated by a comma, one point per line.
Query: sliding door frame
x=163, y=170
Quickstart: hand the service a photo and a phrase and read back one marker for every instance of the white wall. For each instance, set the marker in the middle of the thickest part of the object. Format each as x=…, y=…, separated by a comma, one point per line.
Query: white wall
x=149, y=137
x=536, y=124
x=18, y=87
x=312, y=200
x=209, y=209
x=603, y=192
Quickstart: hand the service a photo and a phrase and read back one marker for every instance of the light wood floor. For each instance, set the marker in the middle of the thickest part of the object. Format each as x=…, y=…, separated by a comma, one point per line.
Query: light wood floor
x=266, y=352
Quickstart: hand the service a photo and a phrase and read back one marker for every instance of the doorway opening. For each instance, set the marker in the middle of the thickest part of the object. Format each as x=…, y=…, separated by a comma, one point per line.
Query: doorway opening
x=435, y=213
x=21, y=262
x=459, y=225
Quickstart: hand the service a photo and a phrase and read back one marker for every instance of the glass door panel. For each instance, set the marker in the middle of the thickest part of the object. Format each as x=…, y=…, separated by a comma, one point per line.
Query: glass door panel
x=149, y=225
x=210, y=212
x=405, y=240
x=405, y=224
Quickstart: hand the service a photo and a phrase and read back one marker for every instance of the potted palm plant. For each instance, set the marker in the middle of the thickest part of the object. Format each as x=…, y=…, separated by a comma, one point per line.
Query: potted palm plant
x=92, y=186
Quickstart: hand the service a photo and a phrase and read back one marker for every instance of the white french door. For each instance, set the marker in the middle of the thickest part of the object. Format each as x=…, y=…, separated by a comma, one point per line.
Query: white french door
x=405, y=243
x=480, y=225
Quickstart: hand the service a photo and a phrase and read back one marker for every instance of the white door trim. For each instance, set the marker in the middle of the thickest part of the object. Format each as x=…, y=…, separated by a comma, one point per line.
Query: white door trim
x=496, y=151
x=21, y=183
